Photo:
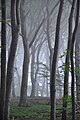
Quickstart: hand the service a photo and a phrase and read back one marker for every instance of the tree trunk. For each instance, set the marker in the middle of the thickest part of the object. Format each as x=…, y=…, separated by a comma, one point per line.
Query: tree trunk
x=48, y=33
x=37, y=60
x=66, y=72
x=33, y=80
x=54, y=63
x=23, y=93
x=13, y=89
x=3, y=60
x=72, y=62
x=15, y=33
x=77, y=63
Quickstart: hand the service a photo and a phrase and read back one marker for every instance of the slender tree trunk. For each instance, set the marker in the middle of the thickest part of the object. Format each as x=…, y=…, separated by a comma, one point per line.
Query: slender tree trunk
x=23, y=93
x=72, y=62
x=38, y=52
x=48, y=33
x=15, y=33
x=33, y=80
x=3, y=60
x=77, y=63
x=36, y=73
x=54, y=63
x=66, y=72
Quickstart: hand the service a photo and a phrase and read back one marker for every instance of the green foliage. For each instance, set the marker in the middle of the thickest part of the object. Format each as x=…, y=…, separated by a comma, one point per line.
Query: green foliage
x=41, y=111
x=64, y=68
x=67, y=52
x=67, y=99
x=77, y=71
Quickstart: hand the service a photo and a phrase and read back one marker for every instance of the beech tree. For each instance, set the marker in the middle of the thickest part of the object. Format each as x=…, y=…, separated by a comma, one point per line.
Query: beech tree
x=67, y=60
x=77, y=63
x=3, y=59
x=54, y=63
x=15, y=23
x=72, y=61
x=23, y=93
x=48, y=32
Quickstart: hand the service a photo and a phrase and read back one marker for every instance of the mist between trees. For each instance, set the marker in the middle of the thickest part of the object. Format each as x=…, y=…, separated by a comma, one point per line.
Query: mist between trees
x=40, y=55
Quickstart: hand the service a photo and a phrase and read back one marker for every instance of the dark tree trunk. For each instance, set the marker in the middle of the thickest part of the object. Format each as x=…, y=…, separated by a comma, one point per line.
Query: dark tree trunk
x=23, y=93
x=3, y=60
x=72, y=62
x=54, y=63
x=15, y=32
x=66, y=72
x=77, y=63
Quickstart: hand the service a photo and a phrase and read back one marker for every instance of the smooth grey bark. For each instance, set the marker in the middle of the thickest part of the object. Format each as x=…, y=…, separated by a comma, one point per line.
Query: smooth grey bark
x=18, y=77
x=3, y=59
x=23, y=93
x=77, y=63
x=37, y=69
x=15, y=33
x=67, y=61
x=33, y=74
x=33, y=80
x=13, y=89
x=36, y=73
x=54, y=63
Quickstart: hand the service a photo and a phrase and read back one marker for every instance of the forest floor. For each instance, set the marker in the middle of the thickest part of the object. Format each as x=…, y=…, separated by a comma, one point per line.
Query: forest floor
x=35, y=112
x=37, y=109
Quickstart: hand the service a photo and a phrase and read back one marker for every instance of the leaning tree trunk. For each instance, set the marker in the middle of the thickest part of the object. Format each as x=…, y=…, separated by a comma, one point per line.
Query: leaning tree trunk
x=3, y=60
x=66, y=72
x=48, y=33
x=54, y=63
x=72, y=62
x=15, y=33
x=77, y=63
x=23, y=94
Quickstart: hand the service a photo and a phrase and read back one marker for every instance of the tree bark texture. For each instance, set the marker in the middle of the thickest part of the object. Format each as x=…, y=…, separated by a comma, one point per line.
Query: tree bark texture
x=77, y=63
x=72, y=61
x=3, y=60
x=15, y=23
x=67, y=61
x=33, y=80
x=23, y=93
x=54, y=63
